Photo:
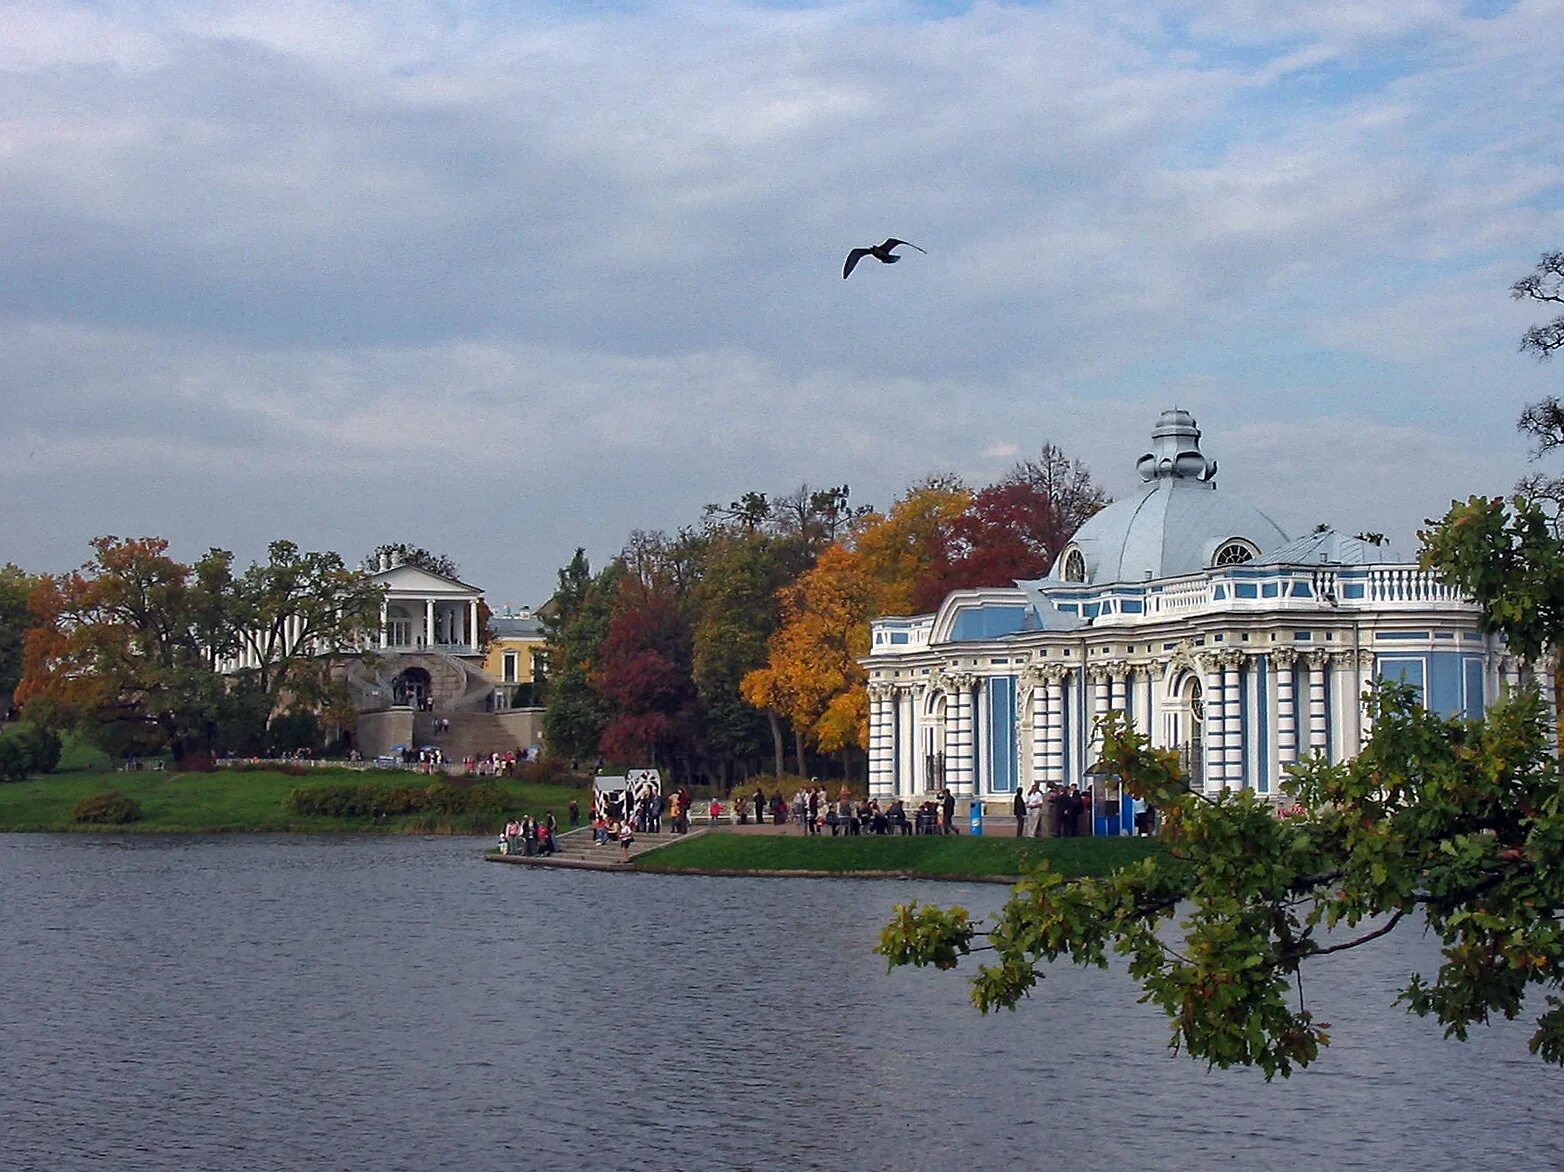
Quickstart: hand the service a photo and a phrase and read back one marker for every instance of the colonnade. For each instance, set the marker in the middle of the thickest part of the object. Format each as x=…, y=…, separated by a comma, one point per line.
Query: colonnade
x=1310, y=700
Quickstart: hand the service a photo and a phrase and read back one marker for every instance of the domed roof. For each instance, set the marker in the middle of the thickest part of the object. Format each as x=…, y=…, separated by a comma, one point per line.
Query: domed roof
x=1178, y=523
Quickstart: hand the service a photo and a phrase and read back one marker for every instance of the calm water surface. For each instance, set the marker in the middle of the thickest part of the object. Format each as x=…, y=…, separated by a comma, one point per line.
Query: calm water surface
x=260, y=1003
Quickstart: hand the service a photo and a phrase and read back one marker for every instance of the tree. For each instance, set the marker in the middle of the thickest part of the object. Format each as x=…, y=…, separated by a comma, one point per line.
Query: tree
x=1543, y=421
x=575, y=621
x=1456, y=822
x=398, y=553
x=130, y=647
x=1013, y=529
x=15, y=585
x=115, y=650
x=812, y=674
x=289, y=613
x=1545, y=284
x=736, y=612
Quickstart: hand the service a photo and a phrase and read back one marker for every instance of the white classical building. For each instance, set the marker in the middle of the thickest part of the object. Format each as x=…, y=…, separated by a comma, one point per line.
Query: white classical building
x=1190, y=611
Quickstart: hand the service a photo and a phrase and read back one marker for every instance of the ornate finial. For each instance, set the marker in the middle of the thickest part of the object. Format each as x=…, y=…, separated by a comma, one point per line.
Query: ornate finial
x=1175, y=450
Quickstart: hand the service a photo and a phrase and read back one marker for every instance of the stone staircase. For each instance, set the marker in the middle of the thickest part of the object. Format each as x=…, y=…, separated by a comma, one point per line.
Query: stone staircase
x=472, y=734
x=576, y=849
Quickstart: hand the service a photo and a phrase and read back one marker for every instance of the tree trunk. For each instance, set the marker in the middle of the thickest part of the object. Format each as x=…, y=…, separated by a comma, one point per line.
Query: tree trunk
x=776, y=738
x=798, y=751
x=1558, y=699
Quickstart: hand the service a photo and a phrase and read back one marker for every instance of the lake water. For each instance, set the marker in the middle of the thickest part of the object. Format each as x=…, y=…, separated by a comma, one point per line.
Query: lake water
x=290, y=1003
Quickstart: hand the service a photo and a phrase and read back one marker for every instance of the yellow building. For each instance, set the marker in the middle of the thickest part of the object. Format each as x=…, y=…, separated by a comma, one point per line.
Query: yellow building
x=515, y=658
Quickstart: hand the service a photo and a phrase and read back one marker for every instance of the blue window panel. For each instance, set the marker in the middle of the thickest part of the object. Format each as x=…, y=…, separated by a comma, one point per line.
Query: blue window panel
x=1303, y=636
x=987, y=622
x=1403, y=670
x=1473, y=672
x=1270, y=590
x=1446, y=684
x=899, y=636
x=1000, y=693
x=1220, y=592
x=1352, y=590
x=1472, y=636
x=1246, y=590
x=1444, y=634
x=1091, y=609
x=1132, y=606
x=1302, y=590
x=1405, y=636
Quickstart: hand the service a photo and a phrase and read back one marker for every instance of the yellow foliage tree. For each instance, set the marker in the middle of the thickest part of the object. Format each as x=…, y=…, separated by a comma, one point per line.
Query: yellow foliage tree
x=812, y=675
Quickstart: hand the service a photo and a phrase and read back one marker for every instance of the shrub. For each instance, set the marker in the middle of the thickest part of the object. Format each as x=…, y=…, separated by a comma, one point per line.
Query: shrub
x=363, y=801
x=110, y=808
x=26, y=750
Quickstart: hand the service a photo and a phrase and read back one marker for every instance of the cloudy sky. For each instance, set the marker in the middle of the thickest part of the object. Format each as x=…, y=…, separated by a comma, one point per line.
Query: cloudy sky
x=505, y=279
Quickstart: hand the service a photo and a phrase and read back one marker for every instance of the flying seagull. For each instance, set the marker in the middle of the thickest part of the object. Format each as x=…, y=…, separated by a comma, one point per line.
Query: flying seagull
x=881, y=252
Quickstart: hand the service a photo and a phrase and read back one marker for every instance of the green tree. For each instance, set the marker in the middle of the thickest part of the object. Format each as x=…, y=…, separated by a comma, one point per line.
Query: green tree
x=1457, y=823
x=399, y=553
x=575, y=621
x=15, y=585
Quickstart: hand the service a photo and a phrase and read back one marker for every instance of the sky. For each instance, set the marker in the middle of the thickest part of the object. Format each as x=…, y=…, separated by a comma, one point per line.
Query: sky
x=502, y=280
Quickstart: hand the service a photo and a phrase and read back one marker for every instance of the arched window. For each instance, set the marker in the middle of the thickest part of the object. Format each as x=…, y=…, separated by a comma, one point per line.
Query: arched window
x=1074, y=565
x=1233, y=553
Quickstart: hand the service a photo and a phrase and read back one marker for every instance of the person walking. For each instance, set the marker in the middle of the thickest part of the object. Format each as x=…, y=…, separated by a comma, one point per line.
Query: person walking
x=948, y=810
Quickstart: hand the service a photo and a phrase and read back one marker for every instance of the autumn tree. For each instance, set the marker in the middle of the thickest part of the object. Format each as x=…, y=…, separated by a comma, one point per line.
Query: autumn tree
x=131, y=647
x=116, y=649
x=643, y=667
x=1013, y=529
x=812, y=674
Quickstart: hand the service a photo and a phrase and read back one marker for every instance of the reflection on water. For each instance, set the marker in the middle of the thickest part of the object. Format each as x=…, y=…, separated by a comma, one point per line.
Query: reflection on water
x=255, y=1003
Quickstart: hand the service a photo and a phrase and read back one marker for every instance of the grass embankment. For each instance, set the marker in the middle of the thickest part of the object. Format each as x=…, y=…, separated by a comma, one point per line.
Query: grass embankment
x=957, y=856
x=248, y=800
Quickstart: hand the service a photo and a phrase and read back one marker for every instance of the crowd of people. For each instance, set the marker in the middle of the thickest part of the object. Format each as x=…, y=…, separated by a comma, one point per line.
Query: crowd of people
x=815, y=812
x=1053, y=812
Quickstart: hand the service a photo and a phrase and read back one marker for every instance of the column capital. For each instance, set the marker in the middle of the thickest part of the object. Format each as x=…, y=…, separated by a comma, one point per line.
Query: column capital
x=1230, y=658
x=1365, y=660
x=1317, y=658
x=1285, y=656
x=881, y=689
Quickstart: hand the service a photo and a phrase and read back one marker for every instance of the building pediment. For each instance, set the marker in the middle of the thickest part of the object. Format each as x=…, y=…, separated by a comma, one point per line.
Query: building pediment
x=408, y=581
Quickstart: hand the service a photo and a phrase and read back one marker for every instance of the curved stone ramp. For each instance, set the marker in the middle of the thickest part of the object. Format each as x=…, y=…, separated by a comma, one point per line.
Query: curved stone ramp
x=576, y=849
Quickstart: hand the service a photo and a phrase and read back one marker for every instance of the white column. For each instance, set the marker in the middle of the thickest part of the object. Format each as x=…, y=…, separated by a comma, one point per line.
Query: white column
x=429, y=622
x=962, y=775
x=1283, y=662
x=1053, y=725
x=1102, y=697
x=1365, y=665
x=1118, y=676
x=1215, y=746
x=1233, y=738
x=1317, y=712
x=474, y=636
x=881, y=740
x=381, y=642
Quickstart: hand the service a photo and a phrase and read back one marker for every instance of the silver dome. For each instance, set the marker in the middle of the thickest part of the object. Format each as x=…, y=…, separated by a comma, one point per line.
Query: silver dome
x=1175, y=524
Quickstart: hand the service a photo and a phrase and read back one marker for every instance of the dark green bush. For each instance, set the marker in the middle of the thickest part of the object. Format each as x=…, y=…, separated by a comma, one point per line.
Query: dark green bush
x=110, y=808
x=28, y=749
x=363, y=801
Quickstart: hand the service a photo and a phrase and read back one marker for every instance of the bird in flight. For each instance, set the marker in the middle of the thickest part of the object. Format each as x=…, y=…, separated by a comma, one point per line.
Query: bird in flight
x=881, y=252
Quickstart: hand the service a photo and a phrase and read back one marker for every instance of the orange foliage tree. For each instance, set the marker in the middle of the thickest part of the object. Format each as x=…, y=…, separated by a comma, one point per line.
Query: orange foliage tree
x=812, y=675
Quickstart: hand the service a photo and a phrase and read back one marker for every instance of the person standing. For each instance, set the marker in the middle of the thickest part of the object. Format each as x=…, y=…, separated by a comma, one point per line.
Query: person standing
x=574, y=810
x=1036, y=805
x=948, y=810
x=1018, y=808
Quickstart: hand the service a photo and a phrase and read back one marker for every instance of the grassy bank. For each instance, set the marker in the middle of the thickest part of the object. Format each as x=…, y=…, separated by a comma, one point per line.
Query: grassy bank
x=933, y=856
x=247, y=800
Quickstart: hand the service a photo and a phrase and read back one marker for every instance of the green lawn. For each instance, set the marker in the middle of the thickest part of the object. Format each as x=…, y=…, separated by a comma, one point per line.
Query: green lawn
x=921, y=855
x=235, y=800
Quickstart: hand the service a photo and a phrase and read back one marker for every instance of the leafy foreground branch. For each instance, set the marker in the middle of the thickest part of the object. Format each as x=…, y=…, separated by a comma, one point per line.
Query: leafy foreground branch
x=1459, y=821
